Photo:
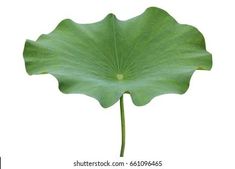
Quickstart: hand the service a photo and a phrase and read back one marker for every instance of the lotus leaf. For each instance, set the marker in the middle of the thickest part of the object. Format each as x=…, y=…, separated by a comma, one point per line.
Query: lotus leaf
x=146, y=56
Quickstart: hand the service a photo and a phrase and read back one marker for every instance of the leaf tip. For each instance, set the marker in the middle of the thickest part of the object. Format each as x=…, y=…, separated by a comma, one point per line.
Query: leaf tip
x=111, y=16
x=26, y=55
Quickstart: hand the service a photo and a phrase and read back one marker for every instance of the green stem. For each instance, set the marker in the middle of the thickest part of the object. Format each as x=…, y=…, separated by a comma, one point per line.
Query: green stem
x=122, y=127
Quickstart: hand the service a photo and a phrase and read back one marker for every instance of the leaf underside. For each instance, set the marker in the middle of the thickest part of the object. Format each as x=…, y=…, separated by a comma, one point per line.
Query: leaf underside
x=145, y=56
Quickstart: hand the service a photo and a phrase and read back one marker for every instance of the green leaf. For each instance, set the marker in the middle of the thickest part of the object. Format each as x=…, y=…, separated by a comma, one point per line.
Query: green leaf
x=145, y=56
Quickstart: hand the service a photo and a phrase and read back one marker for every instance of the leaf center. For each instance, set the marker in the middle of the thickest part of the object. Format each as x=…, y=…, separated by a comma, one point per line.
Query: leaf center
x=120, y=76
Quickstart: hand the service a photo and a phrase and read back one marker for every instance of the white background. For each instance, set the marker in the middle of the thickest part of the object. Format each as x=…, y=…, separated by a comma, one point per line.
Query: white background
x=41, y=128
